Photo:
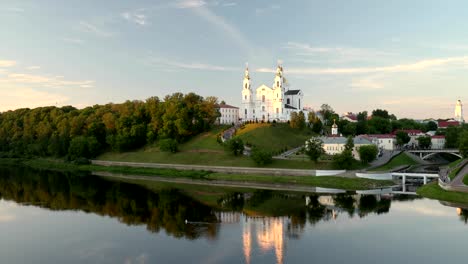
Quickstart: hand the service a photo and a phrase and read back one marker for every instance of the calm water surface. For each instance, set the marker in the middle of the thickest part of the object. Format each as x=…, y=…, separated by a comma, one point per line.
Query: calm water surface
x=50, y=217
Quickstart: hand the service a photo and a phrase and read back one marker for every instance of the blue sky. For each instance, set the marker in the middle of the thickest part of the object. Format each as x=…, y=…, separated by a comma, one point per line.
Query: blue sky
x=409, y=57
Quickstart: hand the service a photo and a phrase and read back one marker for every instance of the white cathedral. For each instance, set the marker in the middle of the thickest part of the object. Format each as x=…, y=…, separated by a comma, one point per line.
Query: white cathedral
x=268, y=104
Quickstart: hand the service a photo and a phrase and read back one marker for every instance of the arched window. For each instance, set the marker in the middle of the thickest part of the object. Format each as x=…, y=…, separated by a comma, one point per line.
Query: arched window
x=299, y=104
x=245, y=85
x=263, y=98
x=277, y=83
x=277, y=110
x=246, y=111
x=263, y=108
x=288, y=101
x=245, y=97
x=277, y=95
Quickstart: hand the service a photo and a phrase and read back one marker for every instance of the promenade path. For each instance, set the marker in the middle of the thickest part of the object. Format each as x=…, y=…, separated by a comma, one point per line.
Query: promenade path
x=220, y=183
x=222, y=169
x=458, y=181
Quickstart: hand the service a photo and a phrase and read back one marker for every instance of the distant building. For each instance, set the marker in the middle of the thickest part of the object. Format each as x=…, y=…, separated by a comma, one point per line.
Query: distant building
x=349, y=117
x=459, y=112
x=383, y=141
x=413, y=134
x=447, y=123
x=229, y=114
x=268, y=104
x=335, y=145
x=437, y=142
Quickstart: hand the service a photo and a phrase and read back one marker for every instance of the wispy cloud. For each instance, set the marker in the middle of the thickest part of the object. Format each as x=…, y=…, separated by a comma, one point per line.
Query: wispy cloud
x=7, y=63
x=73, y=40
x=137, y=17
x=369, y=83
x=408, y=67
x=227, y=28
x=31, y=68
x=44, y=81
x=13, y=9
x=304, y=52
x=264, y=10
x=229, y=4
x=21, y=97
x=190, y=3
x=90, y=28
x=172, y=65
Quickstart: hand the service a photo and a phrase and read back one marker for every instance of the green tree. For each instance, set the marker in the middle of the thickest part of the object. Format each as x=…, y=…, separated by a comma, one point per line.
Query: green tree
x=424, y=142
x=294, y=120
x=318, y=126
x=168, y=145
x=314, y=148
x=362, y=124
x=380, y=113
x=301, y=120
x=451, y=137
x=311, y=118
x=368, y=153
x=344, y=160
x=327, y=113
x=402, y=138
x=431, y=126
x=349, y=143
x=379, y=125
x=78, y=148
x=235, y=145
x=463, y=144
x=349, y=129
x=261, y=157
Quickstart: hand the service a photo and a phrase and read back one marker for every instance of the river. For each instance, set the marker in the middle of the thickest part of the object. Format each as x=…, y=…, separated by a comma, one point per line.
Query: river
x=51, y=217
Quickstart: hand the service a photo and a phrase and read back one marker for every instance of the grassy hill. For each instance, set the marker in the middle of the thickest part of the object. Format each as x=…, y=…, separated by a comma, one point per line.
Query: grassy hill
x=273, y=137
x=204, y=150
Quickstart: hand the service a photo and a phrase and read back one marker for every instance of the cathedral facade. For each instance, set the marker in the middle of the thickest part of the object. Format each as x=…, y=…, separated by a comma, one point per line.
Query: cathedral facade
x=269, y=104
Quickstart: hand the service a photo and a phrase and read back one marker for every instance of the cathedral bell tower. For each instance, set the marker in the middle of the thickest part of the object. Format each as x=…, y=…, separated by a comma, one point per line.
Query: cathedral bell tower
x=279, y=78
x=246, y=112
x=459, y=112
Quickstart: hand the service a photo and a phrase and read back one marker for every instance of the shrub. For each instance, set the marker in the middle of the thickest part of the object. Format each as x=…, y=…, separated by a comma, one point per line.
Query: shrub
x=368, y=153
x=261, y=157
x=168, y=145
x=82, y=161
x=235, y=145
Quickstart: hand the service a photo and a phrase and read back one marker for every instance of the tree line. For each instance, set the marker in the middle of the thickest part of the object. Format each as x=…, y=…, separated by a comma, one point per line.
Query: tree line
x=68, y=131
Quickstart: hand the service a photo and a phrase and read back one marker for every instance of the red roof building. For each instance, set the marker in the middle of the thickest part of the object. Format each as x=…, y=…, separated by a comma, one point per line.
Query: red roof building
x=448, y=123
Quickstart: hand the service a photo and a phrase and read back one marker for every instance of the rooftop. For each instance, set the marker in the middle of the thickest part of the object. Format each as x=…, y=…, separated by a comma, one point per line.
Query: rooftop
x=226, y=106
x=292, y=92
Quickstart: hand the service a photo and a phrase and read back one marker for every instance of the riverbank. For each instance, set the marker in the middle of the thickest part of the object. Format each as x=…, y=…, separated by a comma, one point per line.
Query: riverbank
x=433, y=191
x=326, y=182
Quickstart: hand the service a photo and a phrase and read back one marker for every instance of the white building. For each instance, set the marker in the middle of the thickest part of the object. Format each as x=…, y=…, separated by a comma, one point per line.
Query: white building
x=336, y=145
x=459, y=112
x=229, y=114
x=265, y=103
x=384, y=141
x=438, y=142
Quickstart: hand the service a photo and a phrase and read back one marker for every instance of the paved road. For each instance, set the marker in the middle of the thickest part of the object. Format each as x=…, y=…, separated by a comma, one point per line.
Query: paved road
x=387, y=155
x=458, y=181
x=288, y=153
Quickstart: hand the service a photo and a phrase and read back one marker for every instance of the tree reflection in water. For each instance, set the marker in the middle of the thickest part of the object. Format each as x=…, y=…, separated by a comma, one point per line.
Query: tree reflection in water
x=169, y=208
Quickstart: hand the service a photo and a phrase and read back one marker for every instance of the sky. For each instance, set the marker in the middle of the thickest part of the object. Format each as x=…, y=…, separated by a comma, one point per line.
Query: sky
x=408, y=57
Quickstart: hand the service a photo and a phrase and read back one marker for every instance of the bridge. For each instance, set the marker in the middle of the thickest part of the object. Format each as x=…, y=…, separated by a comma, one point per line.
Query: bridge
x=426, y=153
x=405, y=175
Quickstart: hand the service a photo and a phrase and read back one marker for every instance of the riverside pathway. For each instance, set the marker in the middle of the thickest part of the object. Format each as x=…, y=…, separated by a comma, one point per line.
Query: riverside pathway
x=458, y=181
x=222, y=169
